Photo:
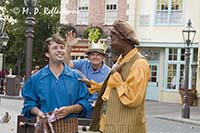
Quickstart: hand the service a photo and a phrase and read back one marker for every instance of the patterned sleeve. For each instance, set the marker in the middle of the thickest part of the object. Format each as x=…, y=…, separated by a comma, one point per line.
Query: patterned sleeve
x=95, y=87
x=132, y=91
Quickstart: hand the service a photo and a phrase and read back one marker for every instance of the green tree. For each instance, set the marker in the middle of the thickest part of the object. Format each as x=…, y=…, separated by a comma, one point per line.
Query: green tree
x=47, y=23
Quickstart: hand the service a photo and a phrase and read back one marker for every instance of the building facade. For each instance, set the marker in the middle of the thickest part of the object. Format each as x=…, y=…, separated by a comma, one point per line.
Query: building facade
x=158, y=25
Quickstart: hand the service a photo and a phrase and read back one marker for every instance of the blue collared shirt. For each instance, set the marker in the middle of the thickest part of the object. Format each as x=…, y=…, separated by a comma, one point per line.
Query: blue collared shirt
x=84, y=65
x=45, y=91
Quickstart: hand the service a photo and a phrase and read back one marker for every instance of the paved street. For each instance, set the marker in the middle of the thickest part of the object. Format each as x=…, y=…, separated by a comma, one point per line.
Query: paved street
x=161, y=117
x=14, y=108
x=156, y=125
x=166, y=118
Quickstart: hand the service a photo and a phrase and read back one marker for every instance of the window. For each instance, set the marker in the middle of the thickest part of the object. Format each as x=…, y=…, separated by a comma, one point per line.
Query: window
x=172, y=54
x=153, y=74
x=194, y=75
x=175, y=63
x=151, y=55
x=176, y=68
x=194, y=67
x=169, y=12
x=182, y=54
x=111, y=11
x=144, y=20
x=171, y=78
x=77, y=57
x=182, y=76
x=195, y=55
x=82, y=17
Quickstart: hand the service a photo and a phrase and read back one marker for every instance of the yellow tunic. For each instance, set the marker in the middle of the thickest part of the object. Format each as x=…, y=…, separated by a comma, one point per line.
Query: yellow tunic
x=125, y=94
x=132, y=90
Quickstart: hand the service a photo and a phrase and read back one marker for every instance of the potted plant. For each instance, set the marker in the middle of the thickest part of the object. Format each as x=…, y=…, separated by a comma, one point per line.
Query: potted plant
x=191, y=95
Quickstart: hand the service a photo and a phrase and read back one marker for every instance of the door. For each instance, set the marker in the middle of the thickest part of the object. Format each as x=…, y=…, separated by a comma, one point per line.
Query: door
x=152, y=89
x=153, y=58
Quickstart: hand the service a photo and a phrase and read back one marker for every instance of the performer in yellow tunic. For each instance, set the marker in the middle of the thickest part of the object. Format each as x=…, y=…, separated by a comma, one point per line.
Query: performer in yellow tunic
x=126, y=87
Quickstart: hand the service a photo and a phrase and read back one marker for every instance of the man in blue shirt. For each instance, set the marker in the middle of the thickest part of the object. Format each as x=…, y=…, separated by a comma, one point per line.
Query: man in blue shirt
x=56, y=88
x=92, y=68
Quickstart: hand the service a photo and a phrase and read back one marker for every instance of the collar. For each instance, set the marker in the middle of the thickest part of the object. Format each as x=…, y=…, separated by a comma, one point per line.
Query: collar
x=101, y=69
x=46, y=71
x=127, y=57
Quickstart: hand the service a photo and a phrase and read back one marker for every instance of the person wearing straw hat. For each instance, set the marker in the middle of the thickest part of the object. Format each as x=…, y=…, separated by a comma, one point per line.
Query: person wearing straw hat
x=93, y=67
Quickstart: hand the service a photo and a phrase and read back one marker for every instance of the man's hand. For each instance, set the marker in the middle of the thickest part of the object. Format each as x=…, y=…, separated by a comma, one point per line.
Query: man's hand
x=117, y=67
x=84, y=79
x=63, y=112
x=71, y=40
x=37, y=112
x=40, y=114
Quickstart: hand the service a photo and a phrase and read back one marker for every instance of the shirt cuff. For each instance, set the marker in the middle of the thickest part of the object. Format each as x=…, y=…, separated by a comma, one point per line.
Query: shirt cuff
x=120, y=87
x=95, y=87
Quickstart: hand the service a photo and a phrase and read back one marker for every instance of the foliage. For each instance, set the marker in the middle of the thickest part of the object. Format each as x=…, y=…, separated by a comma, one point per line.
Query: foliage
x=192, y=94
x=190, y=91
x=47, y=23
x=66, y=28
x=93, y=34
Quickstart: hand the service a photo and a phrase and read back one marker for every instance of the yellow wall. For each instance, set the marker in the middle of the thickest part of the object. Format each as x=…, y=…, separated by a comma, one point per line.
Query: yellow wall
x=171, y=97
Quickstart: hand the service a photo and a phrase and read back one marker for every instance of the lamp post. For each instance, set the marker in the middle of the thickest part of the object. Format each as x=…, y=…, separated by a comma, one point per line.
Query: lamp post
x=3, y=43
x=30, y=22
x=2, y=24
x=188, y=36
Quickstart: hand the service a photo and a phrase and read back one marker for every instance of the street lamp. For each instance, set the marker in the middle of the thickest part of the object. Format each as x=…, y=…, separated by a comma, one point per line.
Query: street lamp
x=30, y=22
x=188, y=36
x=2, y=24
x=3, y=43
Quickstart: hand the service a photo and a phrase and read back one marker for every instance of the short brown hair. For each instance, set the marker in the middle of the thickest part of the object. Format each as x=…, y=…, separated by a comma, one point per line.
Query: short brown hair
x=55, y=38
